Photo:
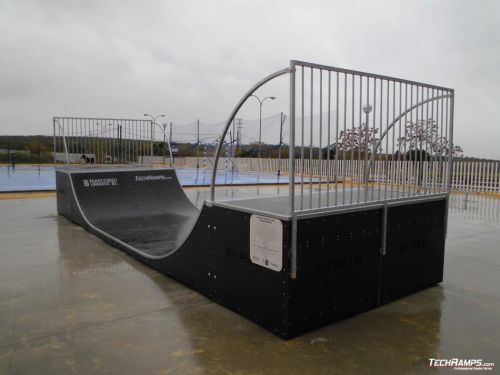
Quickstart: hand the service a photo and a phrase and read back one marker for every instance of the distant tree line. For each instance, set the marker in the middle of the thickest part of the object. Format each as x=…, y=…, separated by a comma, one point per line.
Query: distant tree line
x=351, y=145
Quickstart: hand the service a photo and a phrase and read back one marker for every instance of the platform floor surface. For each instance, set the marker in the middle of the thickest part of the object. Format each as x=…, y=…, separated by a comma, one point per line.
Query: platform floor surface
x=72, y=304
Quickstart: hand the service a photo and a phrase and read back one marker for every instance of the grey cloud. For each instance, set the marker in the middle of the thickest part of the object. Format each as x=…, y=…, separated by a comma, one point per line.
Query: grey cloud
x=194, y=59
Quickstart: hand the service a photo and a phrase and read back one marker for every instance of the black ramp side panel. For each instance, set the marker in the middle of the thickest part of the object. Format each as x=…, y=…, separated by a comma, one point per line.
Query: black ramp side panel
x=415, y=248
x=146, y=209
x=338, y=258
x=253, y=291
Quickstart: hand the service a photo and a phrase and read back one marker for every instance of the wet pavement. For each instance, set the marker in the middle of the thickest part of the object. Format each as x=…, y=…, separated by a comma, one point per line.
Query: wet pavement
x=72, y=304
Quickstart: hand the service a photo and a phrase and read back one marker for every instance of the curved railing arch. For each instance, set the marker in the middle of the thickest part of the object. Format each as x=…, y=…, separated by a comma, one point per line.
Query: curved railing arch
x=394, y=122
x=231, y=118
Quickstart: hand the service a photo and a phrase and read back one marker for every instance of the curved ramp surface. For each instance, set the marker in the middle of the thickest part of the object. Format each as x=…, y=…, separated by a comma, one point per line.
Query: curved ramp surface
x=145, y=209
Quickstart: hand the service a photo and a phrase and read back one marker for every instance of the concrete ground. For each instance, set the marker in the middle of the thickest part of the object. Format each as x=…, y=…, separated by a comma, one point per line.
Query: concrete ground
x=72, y=304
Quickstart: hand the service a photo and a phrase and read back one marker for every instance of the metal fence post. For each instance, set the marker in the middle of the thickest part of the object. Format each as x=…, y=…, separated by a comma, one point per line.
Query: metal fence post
x=152, y=142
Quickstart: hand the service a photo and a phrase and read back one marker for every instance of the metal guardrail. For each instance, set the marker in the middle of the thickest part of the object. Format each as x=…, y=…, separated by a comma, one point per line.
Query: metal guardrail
x=365, y=121
x=108, y=141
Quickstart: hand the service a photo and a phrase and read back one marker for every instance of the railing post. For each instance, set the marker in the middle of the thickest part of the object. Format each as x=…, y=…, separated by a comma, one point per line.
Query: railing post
x=291, y=174
x=450, y=125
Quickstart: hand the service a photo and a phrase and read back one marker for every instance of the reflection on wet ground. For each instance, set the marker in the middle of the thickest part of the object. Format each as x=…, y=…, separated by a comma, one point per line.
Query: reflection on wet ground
x=70, y=303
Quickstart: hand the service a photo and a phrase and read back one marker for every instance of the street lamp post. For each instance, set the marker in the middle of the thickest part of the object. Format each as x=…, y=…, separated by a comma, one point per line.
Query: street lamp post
x=153, y=122
x=260, y=117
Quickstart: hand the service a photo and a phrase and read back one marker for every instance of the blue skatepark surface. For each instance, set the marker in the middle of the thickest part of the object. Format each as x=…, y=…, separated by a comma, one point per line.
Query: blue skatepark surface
x=42, y=178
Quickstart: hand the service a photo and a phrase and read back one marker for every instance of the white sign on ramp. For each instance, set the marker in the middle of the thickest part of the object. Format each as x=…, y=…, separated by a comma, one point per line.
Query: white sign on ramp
x=266, y=242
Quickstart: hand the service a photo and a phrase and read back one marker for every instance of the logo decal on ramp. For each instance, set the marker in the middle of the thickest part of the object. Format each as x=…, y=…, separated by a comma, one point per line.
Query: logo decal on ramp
x=158, y=177
x=92, y=182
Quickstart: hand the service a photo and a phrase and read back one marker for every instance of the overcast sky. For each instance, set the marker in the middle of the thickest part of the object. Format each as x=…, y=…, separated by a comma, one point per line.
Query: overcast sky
x=195, y=59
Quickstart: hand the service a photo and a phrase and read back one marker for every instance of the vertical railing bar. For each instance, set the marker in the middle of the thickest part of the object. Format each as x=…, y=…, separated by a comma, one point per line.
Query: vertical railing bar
x=122, y=146
x=426, y=139
x=76, y=150
x=113, y=141
x=152, y=130
x=93, y=141
x=132, y=141
x=432, y=146
x=102, y=140
x=82, y=135
x=73, y=138
x=344, y=162
x=95, y=127
x=410, y=159
x=89, y=137
x=69, y=139
x=88, y=133
x=352, y=141
x=311, y=141
x=77, y=139
x=374, y=136
x=422, y=140
x=393, y=137
x=144, y=140
x=398, y=162
x=328, y=144
x=131, y=136
x=320, y=135
x=140, y=156
x=360, y=110
x=106, y=140
x=302, y=144
x=417, y=141
x=405, y=166
x=387, y=170
x=381, y=132
x=60, y=123
x=448, y=150
x=126, y=158
x=441, y=146
x=336, y=137
x=367, y=139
